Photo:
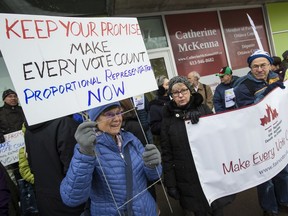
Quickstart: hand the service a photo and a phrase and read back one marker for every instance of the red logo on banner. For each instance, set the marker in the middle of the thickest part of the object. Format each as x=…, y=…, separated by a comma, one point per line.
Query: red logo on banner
x=271, y=115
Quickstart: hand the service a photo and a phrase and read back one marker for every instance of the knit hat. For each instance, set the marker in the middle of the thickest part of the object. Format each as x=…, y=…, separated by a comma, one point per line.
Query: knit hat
x=285, y=54
x=95, y=112
x=259, y=54
x=276, y=60
x=224, y=71
x=179, y=79
x=7, y=92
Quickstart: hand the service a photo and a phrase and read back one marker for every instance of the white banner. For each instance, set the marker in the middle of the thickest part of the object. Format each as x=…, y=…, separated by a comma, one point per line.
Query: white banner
x=240, y=149
x=63, y=65
x=9, y=150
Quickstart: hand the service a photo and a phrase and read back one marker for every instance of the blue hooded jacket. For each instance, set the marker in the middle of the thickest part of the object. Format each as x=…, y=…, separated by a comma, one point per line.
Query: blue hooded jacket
x=103, y=178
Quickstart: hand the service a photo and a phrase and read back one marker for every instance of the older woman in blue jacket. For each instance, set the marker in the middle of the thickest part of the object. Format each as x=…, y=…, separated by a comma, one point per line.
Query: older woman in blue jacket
x=111, y=167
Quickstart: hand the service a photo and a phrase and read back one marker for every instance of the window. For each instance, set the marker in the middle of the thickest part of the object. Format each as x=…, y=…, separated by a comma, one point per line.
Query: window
x=153, y=32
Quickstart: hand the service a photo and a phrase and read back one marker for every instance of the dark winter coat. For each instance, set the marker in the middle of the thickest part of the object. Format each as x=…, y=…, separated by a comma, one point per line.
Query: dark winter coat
x=50, y=147
x=144, y=119
x=11, y=118
x=4, y=192
x=177, y=160
x=8, y=190
x=249, y=90
x=155, y=112
x=281, y=73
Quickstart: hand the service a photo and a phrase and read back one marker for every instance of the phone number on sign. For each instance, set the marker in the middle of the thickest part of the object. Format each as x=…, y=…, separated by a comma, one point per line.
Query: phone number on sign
x=201, y=61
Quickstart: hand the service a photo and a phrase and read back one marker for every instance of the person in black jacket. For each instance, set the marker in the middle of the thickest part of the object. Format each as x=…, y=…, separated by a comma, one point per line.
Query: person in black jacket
x=180, y=174
x=156, y=105
x=4, y=192
x=9, y=195
x=50, y=146
x=11, y=119
x=11, y=114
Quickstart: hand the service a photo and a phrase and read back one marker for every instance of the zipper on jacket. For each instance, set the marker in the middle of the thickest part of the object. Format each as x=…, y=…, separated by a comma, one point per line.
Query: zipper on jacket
x=119, y=143
x=122, y=156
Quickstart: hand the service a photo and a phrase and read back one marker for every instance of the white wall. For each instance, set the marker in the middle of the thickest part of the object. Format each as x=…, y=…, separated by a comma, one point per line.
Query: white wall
x=5, y=80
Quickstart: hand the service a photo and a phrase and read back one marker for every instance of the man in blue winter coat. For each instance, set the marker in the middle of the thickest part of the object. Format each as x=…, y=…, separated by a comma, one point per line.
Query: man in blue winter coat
x=250, y=89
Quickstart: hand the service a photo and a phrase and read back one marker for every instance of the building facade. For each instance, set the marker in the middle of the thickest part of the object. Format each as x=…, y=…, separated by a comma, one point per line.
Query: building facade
x=180, y=41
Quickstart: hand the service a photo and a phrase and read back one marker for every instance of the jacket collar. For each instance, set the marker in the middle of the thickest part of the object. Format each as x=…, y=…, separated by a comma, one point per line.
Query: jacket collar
x=7, y=106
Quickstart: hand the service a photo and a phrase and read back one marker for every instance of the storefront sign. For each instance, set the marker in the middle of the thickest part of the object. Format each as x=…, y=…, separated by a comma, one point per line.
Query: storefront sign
x=239, y=35
x=196, y=42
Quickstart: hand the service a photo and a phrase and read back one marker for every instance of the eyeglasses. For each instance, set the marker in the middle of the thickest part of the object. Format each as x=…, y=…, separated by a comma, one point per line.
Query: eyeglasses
x=182, y=91
x=262, y=66
x=112, y=114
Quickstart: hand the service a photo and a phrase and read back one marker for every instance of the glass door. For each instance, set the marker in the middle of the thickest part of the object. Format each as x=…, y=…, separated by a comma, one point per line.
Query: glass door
x=161, y=63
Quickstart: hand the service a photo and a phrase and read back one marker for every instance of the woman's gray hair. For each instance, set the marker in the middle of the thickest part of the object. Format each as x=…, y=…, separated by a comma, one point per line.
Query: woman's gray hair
x=160, y=80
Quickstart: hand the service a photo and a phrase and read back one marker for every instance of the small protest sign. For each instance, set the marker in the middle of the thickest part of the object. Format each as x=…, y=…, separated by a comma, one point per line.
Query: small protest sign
x=9, y=150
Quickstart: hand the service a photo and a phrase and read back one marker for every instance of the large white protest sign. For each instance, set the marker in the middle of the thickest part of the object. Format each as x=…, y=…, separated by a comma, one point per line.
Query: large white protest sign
x=63, y=65
x=9, y=150
x=243, y=148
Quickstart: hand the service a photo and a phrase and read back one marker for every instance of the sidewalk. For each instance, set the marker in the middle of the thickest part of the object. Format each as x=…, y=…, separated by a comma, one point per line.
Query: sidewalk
x=245, y=204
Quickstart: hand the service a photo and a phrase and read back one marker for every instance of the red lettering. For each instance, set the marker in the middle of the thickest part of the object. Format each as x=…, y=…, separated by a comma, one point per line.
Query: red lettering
x=66, y=27
x=241, y=165
x=9, y=28
x=77, y=28
x=43, y=29
x=92, y=27
x=38, y=28
x=51, y=28
x=24, y=30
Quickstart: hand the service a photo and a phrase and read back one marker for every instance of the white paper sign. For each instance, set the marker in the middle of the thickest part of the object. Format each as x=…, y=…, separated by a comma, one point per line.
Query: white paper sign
x=229, y=98
x=139, y=102
x=9, y=150
x=245, y=148
x=63, y=65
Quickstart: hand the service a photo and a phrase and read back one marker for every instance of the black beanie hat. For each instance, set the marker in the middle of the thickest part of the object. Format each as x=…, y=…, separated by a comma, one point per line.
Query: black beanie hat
x=7, y=92
x=285, y=54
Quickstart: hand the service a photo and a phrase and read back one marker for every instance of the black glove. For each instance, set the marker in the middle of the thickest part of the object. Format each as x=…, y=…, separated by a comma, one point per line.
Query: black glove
x=173, y=192
x=2, y=138
x=193, y=116
x=273, y=86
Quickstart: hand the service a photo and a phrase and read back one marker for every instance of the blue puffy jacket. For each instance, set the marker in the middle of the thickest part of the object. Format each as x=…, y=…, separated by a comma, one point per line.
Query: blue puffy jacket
x=98, y=177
